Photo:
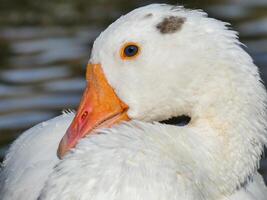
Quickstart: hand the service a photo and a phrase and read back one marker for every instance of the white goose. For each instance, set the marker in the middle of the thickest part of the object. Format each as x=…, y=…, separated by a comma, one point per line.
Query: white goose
x=156, y=63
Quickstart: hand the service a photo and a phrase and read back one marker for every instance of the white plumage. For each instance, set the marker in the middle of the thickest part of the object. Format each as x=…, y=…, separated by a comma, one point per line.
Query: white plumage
x=199, y=70
x=31, y=159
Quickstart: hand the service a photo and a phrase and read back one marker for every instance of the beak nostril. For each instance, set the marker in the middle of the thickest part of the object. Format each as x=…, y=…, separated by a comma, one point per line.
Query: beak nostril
x=84, y=115
x=100, y=107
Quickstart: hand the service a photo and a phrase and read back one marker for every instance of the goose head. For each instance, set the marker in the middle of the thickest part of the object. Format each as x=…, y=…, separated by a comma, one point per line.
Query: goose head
x=186, y=72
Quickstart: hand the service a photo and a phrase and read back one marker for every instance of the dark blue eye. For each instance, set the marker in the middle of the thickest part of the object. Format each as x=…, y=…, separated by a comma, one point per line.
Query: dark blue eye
x=131, y=50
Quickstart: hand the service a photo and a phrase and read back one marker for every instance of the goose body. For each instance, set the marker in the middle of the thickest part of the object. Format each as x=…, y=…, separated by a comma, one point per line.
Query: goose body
x=27, y=177
x=174, y=109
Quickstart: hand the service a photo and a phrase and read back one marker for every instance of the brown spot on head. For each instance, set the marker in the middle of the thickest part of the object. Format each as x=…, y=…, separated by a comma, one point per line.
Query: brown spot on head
x=170, y=24
x=148, y=15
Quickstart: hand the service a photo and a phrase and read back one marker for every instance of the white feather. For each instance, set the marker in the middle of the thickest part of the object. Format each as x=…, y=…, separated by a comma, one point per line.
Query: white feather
x=31, y=159
x=141, y=161
x=201, y=71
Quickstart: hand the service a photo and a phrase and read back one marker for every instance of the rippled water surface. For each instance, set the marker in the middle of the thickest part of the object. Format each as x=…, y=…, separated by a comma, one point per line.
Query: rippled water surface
x=44, y=51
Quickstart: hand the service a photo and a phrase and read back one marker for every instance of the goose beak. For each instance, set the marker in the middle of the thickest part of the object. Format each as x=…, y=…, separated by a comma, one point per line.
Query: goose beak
x=100, y=107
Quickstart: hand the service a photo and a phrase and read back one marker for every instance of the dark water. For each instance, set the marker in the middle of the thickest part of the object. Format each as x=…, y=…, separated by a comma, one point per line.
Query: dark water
x=45, y=45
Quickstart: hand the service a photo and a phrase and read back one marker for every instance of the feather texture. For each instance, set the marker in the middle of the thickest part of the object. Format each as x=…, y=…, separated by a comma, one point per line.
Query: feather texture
x=195, y=68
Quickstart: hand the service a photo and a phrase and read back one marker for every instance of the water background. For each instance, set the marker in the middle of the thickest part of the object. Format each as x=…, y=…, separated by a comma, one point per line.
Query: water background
x=45, y=45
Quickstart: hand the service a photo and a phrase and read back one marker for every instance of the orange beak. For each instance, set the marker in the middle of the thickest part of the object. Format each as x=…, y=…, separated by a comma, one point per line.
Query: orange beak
x=100, y=107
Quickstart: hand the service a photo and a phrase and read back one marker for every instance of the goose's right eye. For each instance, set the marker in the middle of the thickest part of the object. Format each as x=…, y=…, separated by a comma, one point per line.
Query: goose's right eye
x=130, y=51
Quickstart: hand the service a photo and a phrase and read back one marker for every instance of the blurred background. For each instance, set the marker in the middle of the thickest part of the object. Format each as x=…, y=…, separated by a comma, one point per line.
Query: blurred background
x=45, y=45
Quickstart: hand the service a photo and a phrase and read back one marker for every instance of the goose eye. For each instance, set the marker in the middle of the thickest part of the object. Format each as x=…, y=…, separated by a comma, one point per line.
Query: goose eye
x=181, y=120
x=129, y=51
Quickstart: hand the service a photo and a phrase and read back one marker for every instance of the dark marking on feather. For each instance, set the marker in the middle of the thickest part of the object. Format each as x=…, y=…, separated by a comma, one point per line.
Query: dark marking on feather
x=170, y=24
x=148, y=15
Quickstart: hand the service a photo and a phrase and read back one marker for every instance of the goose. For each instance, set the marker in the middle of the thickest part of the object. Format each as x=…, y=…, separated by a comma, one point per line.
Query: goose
x=174, y=109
